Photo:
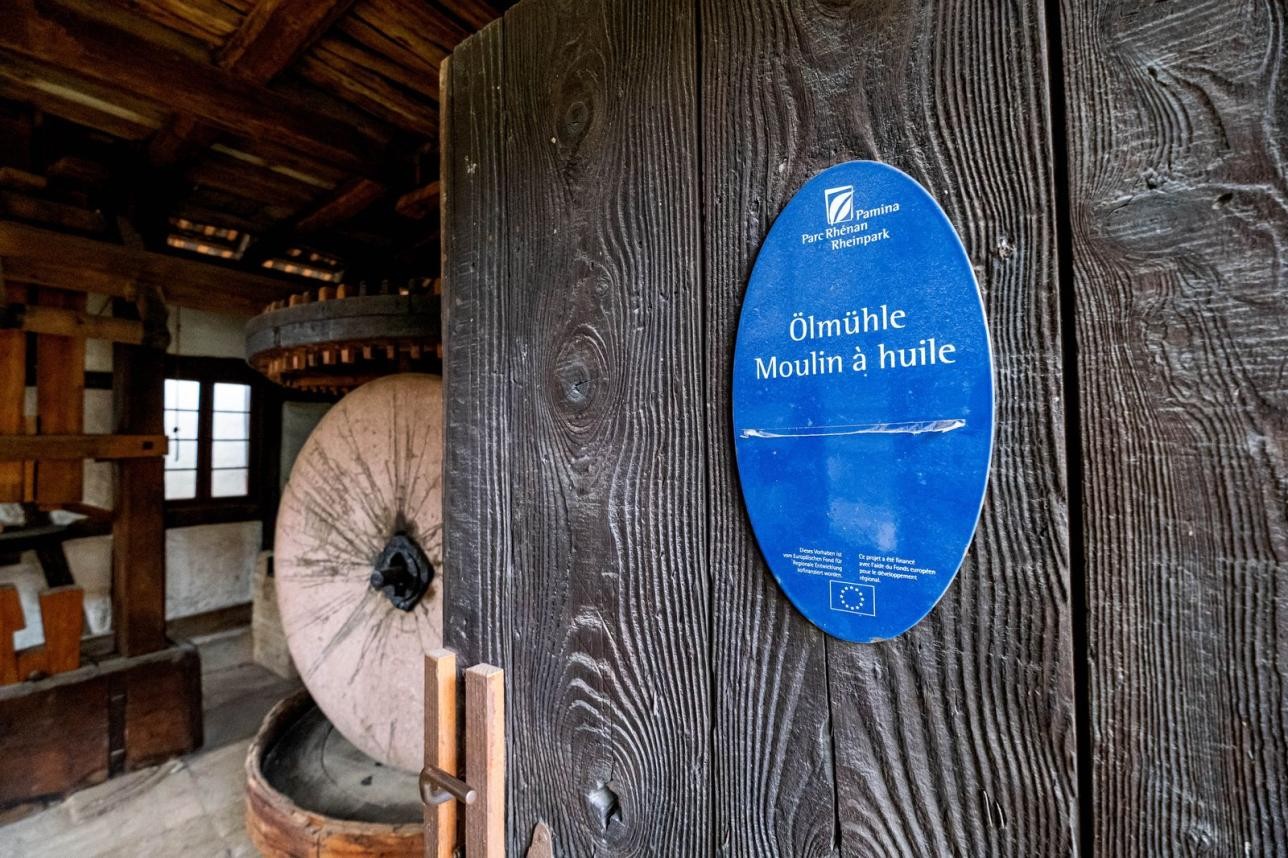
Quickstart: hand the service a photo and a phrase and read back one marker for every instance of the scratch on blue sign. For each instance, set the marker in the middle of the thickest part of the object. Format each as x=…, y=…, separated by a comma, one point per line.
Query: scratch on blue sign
x=916, y=427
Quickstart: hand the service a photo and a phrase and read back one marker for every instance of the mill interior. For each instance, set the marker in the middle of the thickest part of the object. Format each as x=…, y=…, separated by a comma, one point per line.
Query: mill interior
x=216, y=218
x=643, y=427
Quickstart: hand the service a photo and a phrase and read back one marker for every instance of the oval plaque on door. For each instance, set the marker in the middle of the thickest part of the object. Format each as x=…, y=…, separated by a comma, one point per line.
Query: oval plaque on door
x=863, y=401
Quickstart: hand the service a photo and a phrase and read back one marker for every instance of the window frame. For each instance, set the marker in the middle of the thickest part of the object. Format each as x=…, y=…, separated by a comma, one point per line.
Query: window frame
x=204, y=509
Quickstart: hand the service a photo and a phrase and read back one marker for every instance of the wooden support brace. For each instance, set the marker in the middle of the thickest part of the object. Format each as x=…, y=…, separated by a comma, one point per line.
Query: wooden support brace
x=69, y=323
x=16, y=448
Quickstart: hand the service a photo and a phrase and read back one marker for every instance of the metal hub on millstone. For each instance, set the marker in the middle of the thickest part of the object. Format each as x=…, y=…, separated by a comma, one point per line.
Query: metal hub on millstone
x=402, y=572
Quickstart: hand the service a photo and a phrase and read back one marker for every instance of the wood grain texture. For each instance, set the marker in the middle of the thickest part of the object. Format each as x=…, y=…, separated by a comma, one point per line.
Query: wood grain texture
x=575, y=372
x=477, y=446
x=957, y=737
x=1178, y=187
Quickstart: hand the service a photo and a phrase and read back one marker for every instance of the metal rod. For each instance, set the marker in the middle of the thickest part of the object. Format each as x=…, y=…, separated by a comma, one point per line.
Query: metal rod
x=437, y=786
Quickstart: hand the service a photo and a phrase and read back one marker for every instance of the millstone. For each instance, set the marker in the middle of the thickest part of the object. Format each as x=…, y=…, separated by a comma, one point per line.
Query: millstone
x=358, y=557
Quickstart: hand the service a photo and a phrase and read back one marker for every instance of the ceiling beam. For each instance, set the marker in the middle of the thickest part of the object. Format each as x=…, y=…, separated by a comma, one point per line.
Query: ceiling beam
x=275, y=33
x=272, y=36
x=51, y=33
x=47, y=258
x=348, y=202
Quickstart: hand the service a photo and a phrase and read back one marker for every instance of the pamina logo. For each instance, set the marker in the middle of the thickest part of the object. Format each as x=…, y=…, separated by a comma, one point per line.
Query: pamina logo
x=840, y=204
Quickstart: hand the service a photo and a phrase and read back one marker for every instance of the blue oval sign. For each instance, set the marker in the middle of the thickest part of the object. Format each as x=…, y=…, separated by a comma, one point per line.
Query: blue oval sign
x=863, y=401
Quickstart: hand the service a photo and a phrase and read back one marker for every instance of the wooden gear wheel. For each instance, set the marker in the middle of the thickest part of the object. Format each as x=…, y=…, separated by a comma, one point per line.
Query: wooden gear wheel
x=358, y=556
x=334, y=340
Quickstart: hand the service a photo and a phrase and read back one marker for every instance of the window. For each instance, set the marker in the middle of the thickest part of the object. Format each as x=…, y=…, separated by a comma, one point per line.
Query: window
x=212, y=407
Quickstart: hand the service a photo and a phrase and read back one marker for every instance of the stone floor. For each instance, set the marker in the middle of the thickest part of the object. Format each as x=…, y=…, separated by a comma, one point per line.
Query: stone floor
x=192, y=806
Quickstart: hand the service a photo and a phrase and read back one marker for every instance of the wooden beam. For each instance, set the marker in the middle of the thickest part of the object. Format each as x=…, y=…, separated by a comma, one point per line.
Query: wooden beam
x=55, y=34
x=275, y=33
x=33, y=255
x=270, y=38
x=113, y=111
x=52, y=213
x=21, y=180
x=420, y=203
x=17, y=448
x=138, y=532
x=348, y=202
x=70, y=323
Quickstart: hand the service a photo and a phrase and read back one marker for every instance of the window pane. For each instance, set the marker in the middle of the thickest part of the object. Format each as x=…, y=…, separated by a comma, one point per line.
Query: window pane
x=181, y=424
x=180, y=485
x=230, y=454
x=231, y=427
x=182, y=394
x=182, y=456
x=232, y=397
x=228, y=484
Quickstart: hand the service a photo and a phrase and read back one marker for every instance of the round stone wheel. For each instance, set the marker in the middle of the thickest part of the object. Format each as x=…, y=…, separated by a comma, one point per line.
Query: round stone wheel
x=309, y=792
x=357, y=558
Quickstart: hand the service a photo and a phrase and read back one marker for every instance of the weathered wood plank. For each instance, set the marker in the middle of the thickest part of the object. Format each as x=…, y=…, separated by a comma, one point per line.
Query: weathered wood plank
x=1177, y=175
x=477, y=445
x=593, y=492
x=610, y=689
x=958, y=737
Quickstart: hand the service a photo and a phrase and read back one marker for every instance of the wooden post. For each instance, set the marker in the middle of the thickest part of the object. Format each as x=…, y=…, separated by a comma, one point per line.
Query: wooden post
x=440, y=747
x=138, y=531
x=60, y=402
x=485, y=760
x=11, y=620
x=13, y=382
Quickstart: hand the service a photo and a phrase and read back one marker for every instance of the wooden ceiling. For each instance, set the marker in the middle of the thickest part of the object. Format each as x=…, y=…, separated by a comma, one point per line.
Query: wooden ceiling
x=223, y=148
